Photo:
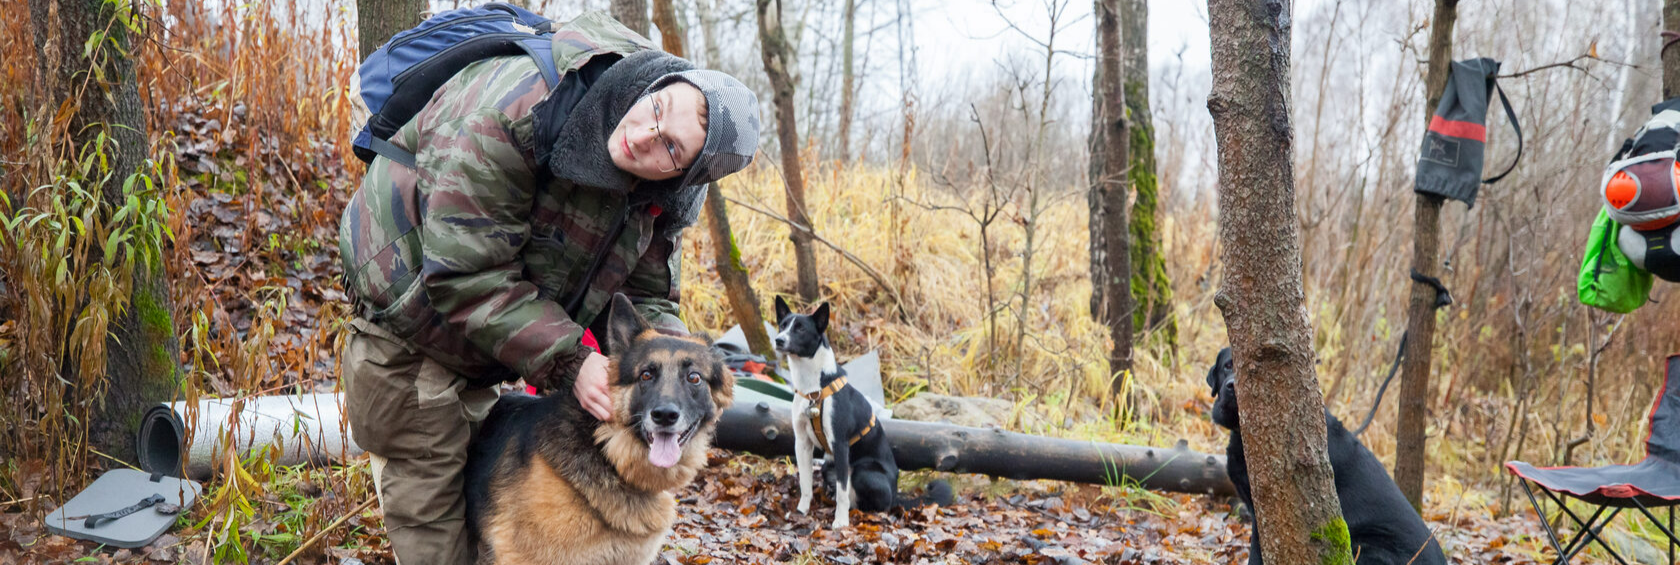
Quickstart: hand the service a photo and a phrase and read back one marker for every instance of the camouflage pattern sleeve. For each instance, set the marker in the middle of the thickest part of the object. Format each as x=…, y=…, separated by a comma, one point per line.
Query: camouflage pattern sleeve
x=652, y=285
x=478, y=189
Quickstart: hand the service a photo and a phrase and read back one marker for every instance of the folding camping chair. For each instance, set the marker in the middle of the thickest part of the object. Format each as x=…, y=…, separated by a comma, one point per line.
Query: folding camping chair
x=1654, y=482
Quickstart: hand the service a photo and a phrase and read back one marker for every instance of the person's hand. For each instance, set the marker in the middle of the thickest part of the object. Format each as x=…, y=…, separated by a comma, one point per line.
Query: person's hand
x=591, y=387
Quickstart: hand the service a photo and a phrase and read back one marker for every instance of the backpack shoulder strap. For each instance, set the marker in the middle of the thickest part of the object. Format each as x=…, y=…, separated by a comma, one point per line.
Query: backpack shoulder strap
x=541, y=50
x=390, y=151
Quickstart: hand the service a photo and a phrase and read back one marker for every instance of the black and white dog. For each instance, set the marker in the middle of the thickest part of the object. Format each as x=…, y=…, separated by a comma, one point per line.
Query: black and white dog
x=1384, y=527
x=831, y=415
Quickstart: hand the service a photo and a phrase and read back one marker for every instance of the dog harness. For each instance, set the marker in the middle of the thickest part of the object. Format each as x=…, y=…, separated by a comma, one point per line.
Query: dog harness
x=816, y=413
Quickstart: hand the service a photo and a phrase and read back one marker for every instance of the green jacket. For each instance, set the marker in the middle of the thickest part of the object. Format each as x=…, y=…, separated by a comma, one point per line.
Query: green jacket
x=475, y=256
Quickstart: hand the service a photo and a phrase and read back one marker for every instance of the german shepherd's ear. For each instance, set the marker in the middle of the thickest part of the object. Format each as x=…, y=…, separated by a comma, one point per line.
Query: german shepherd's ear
x=623, y=325
x=821, y=318
x=782, y=310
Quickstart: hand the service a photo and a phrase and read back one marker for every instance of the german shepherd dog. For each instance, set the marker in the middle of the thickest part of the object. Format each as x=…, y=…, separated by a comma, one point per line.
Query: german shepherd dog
x=858, y=462
x=547, y=483
x=1384, y=528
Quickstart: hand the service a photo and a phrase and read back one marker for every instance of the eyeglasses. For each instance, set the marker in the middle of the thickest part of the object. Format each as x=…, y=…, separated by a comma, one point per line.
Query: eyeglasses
x=670, y=148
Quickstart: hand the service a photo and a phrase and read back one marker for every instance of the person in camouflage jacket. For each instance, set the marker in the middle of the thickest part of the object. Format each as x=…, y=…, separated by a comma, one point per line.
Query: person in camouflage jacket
x=527, y=208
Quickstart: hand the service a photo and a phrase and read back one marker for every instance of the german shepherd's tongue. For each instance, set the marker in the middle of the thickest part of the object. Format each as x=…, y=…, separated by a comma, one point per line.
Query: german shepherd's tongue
x=663, y=451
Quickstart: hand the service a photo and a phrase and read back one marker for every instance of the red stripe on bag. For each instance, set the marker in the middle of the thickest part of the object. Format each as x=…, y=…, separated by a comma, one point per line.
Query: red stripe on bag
x=1464, y=130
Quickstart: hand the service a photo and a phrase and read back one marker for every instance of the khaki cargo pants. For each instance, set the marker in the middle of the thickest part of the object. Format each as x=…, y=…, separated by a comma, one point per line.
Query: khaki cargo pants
x=414, y=417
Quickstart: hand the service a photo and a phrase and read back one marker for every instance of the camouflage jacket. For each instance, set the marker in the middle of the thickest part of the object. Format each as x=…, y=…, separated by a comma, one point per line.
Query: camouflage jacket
x=475, y=256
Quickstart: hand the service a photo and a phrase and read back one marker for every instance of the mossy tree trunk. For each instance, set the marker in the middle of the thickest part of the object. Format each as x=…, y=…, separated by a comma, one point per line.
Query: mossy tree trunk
x=378, y=20
x=1262, y=301
x=743, y=302
x=777, y=55
x=141, y=350
x=1409, y=449
x=1151, y=290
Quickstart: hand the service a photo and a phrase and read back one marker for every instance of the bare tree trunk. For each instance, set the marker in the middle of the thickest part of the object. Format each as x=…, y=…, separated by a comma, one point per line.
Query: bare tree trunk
x=633, y=14
x=1117, y=265
x=774, y=48
x=378, y=20
x=1263, y=301
x=1415, y=389
x=1094, y=196
x=1670, y=53
x=670, y=31
x=846, y=79
x=743, y=302
x=141, y=351
x=1151, y=290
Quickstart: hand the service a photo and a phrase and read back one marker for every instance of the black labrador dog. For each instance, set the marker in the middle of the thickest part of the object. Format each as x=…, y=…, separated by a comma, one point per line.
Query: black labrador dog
x=1384, y=528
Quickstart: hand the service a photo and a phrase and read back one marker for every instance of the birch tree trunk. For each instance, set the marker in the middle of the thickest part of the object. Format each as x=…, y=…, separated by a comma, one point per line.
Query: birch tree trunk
x=846, y=78
x=1262, y=301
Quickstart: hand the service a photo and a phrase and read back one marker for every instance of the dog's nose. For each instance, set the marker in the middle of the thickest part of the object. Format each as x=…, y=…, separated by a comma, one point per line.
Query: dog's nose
x=666, y=415
x=780, y=343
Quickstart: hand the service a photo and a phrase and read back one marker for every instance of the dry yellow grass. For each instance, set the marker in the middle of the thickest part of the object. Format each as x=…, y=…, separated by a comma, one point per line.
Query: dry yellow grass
x=933, y=256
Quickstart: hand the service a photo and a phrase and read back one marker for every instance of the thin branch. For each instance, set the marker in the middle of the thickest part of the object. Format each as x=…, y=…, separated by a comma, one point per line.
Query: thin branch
x=1570, y=64
x=898, y=300
x=329, y=528
x=10, y=503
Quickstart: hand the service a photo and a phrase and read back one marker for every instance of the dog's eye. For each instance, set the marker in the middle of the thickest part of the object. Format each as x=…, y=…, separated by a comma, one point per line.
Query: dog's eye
x=694, y=378
x=647, y=375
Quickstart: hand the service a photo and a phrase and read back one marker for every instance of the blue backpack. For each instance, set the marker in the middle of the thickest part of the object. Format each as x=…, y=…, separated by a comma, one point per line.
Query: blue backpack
x=398, y=79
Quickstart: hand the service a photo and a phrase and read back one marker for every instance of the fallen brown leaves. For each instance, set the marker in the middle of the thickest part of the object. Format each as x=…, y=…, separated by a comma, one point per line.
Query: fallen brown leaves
x=741, y=510
x=256, y=254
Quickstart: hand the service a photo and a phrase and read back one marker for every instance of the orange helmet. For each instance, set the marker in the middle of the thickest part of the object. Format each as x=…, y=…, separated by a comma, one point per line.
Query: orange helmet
x=1622, y=190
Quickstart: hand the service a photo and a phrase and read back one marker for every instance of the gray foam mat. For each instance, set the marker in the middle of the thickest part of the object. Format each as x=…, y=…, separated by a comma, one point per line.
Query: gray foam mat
x=115, y=490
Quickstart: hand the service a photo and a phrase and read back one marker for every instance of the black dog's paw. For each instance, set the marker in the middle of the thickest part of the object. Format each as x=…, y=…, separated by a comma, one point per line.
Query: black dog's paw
x=826, y=470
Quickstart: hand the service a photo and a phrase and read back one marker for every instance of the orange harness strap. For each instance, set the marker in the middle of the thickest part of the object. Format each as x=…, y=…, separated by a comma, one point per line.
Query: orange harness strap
x=816, y=413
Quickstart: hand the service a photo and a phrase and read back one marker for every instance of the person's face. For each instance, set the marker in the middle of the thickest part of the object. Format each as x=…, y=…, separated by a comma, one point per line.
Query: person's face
x=662, y=146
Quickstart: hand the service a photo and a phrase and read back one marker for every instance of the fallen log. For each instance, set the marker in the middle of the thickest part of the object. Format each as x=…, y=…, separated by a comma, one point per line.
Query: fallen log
x=764, y=430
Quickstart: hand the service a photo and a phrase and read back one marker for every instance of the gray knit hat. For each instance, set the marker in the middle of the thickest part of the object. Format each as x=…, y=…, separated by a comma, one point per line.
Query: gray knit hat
x=731, y=124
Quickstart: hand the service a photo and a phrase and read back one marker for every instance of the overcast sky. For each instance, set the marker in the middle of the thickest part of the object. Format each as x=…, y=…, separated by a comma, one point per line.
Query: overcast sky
x=962, y=38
